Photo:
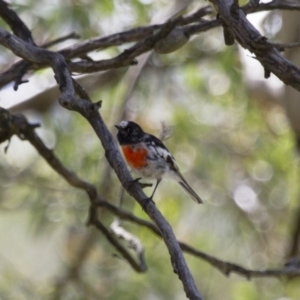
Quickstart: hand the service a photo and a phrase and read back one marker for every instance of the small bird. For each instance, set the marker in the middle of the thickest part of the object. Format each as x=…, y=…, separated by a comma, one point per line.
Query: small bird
x=149, y=157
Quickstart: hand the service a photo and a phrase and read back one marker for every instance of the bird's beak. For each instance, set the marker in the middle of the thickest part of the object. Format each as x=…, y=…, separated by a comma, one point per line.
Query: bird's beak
x=118, y=127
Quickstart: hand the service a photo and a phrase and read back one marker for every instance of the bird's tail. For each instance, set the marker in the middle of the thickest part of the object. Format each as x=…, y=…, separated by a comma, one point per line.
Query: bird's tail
x=185, y=186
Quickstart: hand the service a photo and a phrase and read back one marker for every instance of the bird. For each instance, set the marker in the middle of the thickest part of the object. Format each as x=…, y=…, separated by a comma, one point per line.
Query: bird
x=148, y=157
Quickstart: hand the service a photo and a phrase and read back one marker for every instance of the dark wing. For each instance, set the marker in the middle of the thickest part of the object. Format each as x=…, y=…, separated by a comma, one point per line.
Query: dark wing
x=160, y=150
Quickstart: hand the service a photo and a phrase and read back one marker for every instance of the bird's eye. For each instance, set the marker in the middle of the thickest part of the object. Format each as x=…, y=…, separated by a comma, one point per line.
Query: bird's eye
x=127, y=130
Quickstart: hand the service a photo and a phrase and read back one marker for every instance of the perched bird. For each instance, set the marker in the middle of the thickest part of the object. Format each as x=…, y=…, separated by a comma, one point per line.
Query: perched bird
x=149, y=157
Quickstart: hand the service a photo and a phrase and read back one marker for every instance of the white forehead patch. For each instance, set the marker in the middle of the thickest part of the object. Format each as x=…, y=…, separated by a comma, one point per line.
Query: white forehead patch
x=123, y=124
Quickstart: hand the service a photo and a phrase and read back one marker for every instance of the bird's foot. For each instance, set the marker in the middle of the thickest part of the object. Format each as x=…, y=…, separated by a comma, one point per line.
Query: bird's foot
x=142, y=185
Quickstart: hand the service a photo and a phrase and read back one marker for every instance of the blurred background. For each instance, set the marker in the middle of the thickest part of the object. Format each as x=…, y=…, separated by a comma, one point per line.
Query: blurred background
x=234, y=135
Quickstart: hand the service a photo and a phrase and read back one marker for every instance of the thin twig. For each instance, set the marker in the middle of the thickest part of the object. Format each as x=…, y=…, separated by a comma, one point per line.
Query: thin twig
x=282, y=46
x=252, y=6
x=138, y=267
x=72, y=35
x=132, y=241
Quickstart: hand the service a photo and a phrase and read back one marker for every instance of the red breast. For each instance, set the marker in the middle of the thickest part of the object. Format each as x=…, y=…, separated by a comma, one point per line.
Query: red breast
x=136, y=157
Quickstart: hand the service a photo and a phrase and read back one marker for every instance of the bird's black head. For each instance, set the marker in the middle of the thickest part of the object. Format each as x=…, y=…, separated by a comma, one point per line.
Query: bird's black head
x=129, y=133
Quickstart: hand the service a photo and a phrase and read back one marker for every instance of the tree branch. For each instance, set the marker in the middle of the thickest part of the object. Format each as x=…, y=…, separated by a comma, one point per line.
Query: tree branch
x=132, y=241
x=17, y=124
x=15, y=23
x=239, y=28
x=249, y=38
x=72, y=35
x=127, y=57
x=20, y=126
x=133, y=35
x=84, y=47
x=138, y=267
x=20, y=30
x=115, y=159
x=253, y=6
x=224, y=267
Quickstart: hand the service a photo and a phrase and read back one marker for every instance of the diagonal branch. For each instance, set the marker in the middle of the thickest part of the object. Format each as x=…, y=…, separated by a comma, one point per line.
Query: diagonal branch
x=234, y=20
x=17, y=124
x=114, y=157
x=127, y=57
x=15, y=23
x=132, y=35
x=237, y=25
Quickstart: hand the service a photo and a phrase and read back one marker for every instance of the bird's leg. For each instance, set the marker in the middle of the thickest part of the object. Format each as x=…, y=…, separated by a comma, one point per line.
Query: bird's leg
x=157, y=183
x=146, y=201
